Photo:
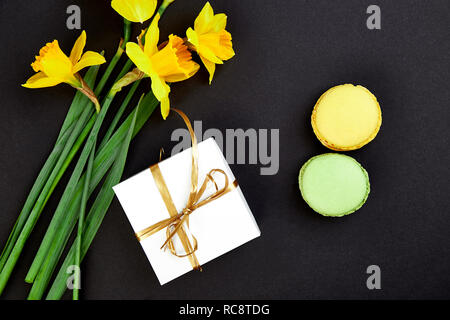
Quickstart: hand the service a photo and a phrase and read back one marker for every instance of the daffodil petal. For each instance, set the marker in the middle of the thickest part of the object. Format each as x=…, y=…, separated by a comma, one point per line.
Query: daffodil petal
x=226, y=51
x=219, y=22
x=135, y=10
x=57, y=66
x=210, y=66
x=165, y=107
x=182, y=76
x=192, y=37
x=139, y=58
x=204, y=19
x=159, y=88
x=152, y=37
x=89, y=58
x=207, y=53
x=176, y=77
x=220, y=45
x=78, y=48
x=40, y=80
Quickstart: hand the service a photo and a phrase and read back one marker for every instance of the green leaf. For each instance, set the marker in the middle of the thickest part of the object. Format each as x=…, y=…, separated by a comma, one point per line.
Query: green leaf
x=84, y=199
x=65, y=218
x=74, y=179
x=41, y=201
x=97, y=212
x=79, y=103
x=68, y=203
x=120, y=112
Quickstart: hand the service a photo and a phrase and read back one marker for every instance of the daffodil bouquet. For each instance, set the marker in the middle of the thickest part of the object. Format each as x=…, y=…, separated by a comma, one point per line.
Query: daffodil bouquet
x=102, y=159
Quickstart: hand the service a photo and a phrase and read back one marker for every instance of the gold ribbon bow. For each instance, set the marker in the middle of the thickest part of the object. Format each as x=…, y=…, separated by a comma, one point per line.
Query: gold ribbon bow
x=178, y=223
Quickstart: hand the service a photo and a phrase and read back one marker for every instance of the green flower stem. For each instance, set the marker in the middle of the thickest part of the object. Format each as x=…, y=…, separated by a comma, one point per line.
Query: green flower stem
x=126, y=32
x=115, y=59
x=80, y=101
x=68, y=194
x=96, y=122
x=84, y=199
x=119, y=113
x=73, y=152
x=103, y=160
x=97, y=215
x=125, y=69
x=103, y=200
x=40, y=202
x=37, y=187
x=52, y=242
x=78, y=104
x=164, y=6
x=108, y=71
x=35, y=266
x=61, y=235
x=90, y=144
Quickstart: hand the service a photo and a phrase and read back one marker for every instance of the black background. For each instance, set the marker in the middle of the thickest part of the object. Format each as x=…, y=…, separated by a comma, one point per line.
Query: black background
x=288, y=53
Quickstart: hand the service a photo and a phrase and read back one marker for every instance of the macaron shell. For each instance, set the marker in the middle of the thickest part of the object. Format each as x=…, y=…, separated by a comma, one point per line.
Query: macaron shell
x=351, y=117
x=334, y=185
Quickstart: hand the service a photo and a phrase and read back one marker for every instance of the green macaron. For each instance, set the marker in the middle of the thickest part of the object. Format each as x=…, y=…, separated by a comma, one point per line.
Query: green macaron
x=334, y=185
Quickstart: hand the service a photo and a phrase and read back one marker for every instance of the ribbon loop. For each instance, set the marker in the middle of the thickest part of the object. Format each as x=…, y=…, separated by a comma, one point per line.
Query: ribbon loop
x=178, y=223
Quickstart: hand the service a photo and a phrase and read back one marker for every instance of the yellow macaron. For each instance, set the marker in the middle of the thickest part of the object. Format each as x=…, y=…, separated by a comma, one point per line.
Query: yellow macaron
x=346, y=117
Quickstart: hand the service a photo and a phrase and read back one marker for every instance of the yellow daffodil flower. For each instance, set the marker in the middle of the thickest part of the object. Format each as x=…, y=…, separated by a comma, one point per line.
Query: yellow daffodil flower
x=210, y=39
x=135, y=10
x=172, y=63
x=54, y=67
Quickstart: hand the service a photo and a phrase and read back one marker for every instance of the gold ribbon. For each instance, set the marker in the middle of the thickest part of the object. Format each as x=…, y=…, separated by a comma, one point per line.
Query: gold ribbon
x=178, y=223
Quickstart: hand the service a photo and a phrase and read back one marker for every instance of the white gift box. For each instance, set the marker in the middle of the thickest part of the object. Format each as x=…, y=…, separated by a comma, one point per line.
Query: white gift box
x=219, y=226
